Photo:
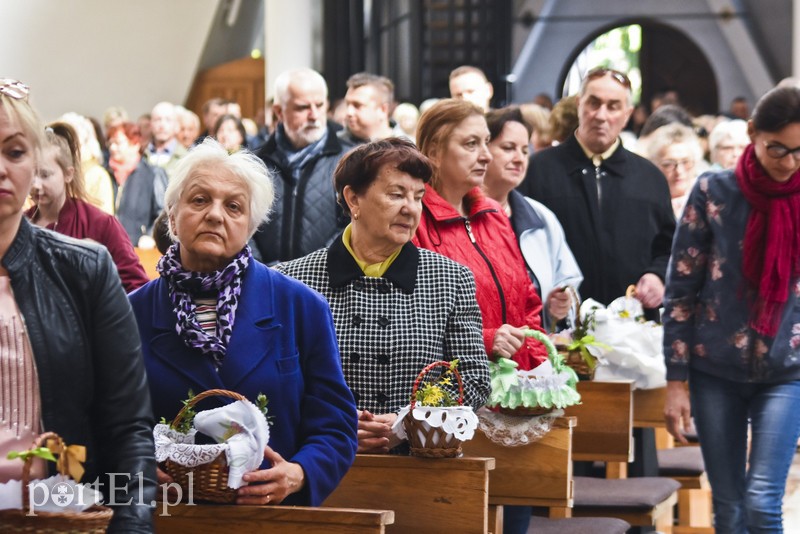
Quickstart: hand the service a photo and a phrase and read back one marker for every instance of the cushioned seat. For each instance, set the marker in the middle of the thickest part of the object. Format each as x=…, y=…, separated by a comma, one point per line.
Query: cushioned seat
x=637, y=493
x=681, y=462
x=578, y=525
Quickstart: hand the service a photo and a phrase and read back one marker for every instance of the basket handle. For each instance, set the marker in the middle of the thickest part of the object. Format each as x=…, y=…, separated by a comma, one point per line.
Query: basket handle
x=542, y=337
x=40, y=440
x=426, y=370
x=204, y=395
x=576, y=305
x=630, y=291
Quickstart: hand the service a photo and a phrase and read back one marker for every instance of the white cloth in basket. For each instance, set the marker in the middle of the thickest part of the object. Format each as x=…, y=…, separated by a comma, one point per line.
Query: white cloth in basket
x=56, y=494
x=240, y=429
x=636, y=347
x=459, y=421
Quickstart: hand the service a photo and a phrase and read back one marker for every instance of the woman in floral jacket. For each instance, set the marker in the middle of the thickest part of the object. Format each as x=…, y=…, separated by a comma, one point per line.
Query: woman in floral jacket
x=732, y=319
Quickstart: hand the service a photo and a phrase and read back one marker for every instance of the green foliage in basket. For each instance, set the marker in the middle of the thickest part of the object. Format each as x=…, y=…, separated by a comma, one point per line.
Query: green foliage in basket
x=435, y=393
x=186, y=422
x=582, y=339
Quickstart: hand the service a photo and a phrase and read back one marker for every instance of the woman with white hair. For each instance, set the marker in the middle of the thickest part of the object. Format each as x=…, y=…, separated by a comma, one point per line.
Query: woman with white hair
x=218, y=319
x=726, y=143
x=675, y=149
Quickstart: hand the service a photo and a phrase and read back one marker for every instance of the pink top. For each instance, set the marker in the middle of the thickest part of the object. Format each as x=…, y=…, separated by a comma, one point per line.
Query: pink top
x=20, y=408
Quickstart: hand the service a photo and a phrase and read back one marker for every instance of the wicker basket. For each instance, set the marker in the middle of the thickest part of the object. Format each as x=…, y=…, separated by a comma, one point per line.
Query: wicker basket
x=521, y=411
x=575, y=359
x=423, y=439
x=533, y=411
x=94, y=520
x=210, y=481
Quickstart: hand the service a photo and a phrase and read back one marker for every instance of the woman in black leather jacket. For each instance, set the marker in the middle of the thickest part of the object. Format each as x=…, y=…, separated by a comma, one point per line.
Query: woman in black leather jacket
x=70, y=356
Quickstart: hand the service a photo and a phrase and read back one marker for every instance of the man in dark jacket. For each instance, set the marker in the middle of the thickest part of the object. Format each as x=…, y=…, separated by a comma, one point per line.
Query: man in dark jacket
x=615, y=209
x=302, y=155
x=614, y=205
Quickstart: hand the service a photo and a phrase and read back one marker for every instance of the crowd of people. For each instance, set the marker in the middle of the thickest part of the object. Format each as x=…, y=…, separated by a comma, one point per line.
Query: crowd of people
x=325, y=263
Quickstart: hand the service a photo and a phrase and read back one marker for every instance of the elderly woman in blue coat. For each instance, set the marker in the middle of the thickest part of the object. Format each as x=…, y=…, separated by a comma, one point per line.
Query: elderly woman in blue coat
x=216, y=318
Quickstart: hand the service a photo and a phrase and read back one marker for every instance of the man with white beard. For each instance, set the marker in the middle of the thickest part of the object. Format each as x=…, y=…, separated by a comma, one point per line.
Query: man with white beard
x=302, y=155
x=164, y=149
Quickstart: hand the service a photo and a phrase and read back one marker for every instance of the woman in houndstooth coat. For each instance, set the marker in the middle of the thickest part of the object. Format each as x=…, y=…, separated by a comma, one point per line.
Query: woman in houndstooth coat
x=396, y=308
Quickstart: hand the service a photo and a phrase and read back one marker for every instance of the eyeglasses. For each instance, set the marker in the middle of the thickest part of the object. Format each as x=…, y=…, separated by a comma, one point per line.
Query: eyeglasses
x=14, y=89
x=778, y=151
x=670, y=165
x=599, y=72
x=729, y=148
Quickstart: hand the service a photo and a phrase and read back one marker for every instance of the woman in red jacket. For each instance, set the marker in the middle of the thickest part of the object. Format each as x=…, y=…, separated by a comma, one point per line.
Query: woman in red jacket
x=60, y=204
x=459, y=222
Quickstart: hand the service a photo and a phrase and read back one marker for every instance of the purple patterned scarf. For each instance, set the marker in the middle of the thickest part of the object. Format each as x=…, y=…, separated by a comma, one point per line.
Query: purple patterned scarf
x=184, y=285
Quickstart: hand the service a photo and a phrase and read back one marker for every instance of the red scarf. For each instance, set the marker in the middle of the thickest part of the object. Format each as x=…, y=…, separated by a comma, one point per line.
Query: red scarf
x=771, y=248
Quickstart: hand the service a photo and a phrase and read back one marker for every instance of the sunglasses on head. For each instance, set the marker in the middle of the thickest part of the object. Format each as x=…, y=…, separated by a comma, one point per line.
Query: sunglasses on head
x=14, y=89
x=599, y=72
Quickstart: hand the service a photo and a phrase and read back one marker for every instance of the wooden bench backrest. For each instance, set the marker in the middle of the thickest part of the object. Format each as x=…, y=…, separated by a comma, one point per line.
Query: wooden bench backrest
x=148, y=257
x=537, y=474
x=605, y=422
x=201, y=519
x=443, y=495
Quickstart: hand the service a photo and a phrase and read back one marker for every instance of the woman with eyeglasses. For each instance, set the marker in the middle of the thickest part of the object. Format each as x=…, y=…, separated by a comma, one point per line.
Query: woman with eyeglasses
x=732, y=320
x=676, y=150
x=70, y=354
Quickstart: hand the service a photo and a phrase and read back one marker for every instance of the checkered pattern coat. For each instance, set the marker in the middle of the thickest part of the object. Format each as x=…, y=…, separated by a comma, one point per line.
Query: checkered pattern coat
x=422, y=310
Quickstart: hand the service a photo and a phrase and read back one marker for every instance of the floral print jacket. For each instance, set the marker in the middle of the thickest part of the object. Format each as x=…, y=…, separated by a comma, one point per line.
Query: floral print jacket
x=705, y=304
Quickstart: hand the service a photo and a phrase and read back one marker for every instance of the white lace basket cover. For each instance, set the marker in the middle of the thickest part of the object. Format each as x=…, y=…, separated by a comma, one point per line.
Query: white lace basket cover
x=240, y=429
x=457, y=421
x=515, y=431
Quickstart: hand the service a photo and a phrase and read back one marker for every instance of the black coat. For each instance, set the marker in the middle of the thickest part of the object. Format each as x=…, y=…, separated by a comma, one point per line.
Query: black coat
x=630, y=236
x=305, y=215
x=86, y=345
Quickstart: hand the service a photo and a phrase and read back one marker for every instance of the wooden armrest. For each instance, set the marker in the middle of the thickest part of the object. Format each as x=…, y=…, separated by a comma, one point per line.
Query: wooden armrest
x=210, y=518
x=537, y=474
x=443, y=495
x=648, y=407
x=605, y=422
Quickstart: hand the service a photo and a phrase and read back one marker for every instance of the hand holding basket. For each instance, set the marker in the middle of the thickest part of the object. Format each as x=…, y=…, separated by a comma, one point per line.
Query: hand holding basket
x=535, y=392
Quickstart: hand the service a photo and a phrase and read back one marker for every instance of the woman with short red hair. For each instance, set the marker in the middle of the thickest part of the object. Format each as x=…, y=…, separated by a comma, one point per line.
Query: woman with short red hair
x=139, y=186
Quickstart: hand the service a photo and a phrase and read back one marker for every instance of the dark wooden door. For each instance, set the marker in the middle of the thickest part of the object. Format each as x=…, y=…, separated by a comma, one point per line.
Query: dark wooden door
x=670, y=60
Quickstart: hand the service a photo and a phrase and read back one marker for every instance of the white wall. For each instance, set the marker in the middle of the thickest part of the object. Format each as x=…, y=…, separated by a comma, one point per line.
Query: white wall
x=87, y=55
